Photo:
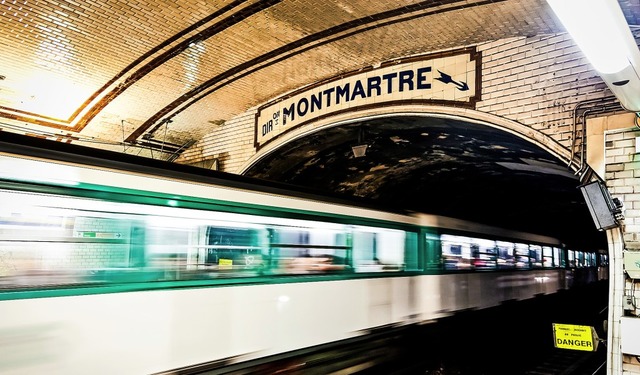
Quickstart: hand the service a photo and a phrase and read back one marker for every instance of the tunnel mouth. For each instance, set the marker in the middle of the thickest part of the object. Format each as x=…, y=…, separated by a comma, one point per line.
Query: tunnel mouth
x=440, y=165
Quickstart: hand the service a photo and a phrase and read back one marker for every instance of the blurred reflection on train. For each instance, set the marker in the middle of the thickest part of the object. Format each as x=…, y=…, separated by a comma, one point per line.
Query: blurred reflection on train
x=113, y=264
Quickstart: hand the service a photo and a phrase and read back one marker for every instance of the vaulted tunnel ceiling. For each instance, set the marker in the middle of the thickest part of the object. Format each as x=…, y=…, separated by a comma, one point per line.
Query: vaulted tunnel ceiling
x=110, y=71
x=442, y=166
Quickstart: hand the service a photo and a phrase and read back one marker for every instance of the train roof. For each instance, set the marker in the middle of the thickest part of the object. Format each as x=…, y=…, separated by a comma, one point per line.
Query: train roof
x=35, y=147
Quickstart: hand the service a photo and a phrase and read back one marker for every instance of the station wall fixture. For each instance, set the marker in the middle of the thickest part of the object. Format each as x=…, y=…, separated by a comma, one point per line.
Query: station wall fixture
x=600, y=30
x=606, y=212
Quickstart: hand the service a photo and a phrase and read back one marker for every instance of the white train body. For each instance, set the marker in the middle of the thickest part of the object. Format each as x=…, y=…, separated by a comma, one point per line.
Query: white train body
x=136, y=315
x=155, y=331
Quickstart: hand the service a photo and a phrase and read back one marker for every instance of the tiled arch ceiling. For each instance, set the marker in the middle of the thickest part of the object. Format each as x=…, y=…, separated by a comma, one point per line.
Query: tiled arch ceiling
x=143, y=65
x=227, y=29
x=89, y=67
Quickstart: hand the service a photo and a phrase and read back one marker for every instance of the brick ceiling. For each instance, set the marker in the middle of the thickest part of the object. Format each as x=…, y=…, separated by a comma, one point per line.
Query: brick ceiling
x=112, y=70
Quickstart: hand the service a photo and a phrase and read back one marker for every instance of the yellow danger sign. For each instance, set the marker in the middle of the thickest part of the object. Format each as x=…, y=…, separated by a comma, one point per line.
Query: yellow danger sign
x=574, y=337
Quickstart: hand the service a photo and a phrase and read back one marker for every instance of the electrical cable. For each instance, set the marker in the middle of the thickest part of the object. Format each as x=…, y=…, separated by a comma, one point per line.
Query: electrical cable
x=633, y=294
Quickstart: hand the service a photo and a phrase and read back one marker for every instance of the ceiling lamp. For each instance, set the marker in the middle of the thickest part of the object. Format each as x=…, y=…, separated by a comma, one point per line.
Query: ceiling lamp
x=599, y=28
x=359, y=150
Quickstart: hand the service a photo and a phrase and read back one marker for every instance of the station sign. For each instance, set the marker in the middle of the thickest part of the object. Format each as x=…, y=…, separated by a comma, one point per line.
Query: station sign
x=448, y=78
x=575, y=337
x=92, y=234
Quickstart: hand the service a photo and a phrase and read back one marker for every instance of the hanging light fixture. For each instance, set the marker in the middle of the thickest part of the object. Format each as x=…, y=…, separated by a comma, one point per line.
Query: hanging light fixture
x=361, y=148
x=601, y=32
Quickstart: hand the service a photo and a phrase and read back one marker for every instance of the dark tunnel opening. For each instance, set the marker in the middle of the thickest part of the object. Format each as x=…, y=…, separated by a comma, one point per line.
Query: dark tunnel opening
x=443, y=166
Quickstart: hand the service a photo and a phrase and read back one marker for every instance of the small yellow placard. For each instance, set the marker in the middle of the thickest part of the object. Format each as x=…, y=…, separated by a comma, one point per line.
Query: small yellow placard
x=574, y=337
x=226, y=264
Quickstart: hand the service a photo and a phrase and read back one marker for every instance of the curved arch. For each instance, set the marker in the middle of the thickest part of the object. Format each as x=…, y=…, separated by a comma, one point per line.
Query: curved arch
x=536, y=137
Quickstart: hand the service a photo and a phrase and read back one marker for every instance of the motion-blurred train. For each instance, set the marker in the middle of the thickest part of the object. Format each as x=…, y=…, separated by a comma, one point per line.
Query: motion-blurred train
x=113, y=264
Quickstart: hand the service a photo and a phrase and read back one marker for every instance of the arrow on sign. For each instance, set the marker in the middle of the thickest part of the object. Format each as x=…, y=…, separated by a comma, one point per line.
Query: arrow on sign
x=445, y=78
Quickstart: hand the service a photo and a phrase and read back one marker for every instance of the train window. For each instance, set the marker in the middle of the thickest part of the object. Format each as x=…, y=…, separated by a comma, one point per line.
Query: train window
x=167, y=250
x=571, y=258
x=592, y=259
x=506, y=257
x=522, y=255
x=378, y=250
x=456, y=252
x=308, y=249
x=576, y=259
x=232, y=249
x=54, y=240
x=558, y=257
x=547, y=257
x=587, y=259
x=535, y=256
x=461, y=253
x=484, y=254
x=48, y=240
x=390, y=249
x=57, y=241
x=604, y=260
x=579, y=259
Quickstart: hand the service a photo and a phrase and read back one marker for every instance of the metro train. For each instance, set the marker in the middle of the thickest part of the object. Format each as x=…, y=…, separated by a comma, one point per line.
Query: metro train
x=110, y=263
